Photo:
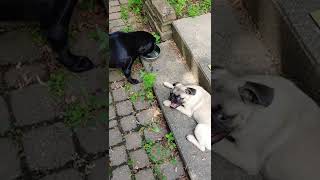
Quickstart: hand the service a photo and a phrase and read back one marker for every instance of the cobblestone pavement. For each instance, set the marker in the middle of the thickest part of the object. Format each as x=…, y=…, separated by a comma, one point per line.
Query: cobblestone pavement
x=45, y=111
x=117, y=23
x=138, y=136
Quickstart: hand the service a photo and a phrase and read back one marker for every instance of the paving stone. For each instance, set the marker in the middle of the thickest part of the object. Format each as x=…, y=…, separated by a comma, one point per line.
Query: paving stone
x=70, y=174
x=145, y=175
x=118, y=155
x=99, y=171
x=124, y=108
x=119, y=94
x=161, y=153
x=114, y=9
x=10, y=163
x=146, y=117
x=113, y=3
x=123, y=1
x=149, y=134
x=93, y=139
x=112, y=112
x=33, y=104
x=116, y=23
x=115, y=75
x=114, y=16
x=128, y=123
x=117, y=84
x=140, y=159
x=115, y=137
x=110, y=99
x=86, y=46
x=116, y=28
x=5, y=117
x=172, y=171
x=87, y=82
x=113, y=123
x=18, y=77
x=18, y=41
x=133, y=140
x=141, y=104
x=121, y=173
x=48, y=147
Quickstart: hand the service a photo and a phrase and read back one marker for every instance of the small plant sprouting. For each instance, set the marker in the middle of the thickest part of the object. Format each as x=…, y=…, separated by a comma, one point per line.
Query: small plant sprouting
x=124, y=12
x=170, y=141
x=157, y=36
x=130, y=162
x=128, y=28
x=194, y=10
x=57, y=83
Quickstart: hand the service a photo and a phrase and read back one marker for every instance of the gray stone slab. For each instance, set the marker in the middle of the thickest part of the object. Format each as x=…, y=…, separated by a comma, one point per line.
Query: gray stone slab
x=236, y=46
x=145, y=174
x=149, y=134
x=133, y=140
x=119, y=94
x=48, y=147
x=124, y=108
x=93, y=139
x=198, y=163
x=112, y=112
x=121, y=173
x=99, y=170
x=141, y=104
x=87, y=82
x=19, y=77
x=115, y=136
x=113, y=123
x=291, y=34
x=128, y=123
x=10, y=163
x=33, y=104
x=193, y=37
x=18, y=46
x=70, y=174
x=118, y=155
x=86, y=46
x=171, y=170
x=115, y=75
x=5, y=117
x=139, y=159
x=146, y=117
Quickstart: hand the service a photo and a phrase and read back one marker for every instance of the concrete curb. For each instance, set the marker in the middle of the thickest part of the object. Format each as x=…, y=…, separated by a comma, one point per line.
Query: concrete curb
x=170, y=67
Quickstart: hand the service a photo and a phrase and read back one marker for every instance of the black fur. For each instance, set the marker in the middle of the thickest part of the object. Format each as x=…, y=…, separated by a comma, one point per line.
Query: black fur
x=54, y=17
x=127, y=47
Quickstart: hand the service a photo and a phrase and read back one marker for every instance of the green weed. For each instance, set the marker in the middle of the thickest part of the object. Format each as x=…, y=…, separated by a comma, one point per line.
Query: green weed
x=124, y=12
x=159, y=174
x=157, y=36
x=136, y=6
x=77, y=114
x=128, y=28
x=57, y=83
x=194, y=10
x=171, y=141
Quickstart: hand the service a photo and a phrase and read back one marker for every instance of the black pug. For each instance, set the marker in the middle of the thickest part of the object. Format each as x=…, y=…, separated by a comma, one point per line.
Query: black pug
x=54, y=17
x=127, y=47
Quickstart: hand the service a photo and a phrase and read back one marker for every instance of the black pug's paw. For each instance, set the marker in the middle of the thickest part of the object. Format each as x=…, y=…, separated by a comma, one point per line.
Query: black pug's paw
x=75, y=63
x=133, y=81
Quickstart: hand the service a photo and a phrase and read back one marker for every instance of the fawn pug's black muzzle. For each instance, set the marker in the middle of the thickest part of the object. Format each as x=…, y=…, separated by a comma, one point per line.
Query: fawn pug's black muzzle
x=221, y=129
x=176, y=100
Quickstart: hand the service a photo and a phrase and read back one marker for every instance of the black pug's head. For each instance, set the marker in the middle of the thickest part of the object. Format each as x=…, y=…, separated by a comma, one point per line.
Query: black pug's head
x=144, y=41
x=234, y=102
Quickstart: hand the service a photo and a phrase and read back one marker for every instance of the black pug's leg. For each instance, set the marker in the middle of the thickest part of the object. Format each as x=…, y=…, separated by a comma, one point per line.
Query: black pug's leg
x=127, y=72
x=57, y=34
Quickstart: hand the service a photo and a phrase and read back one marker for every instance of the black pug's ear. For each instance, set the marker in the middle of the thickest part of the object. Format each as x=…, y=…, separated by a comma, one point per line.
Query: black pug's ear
x=190, y=91
x=256, y=93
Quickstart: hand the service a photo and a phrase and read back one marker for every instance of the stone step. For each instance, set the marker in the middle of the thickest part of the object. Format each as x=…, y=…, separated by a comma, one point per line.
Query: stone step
x=236, y=45
x=193, y=38
x=172, y=68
